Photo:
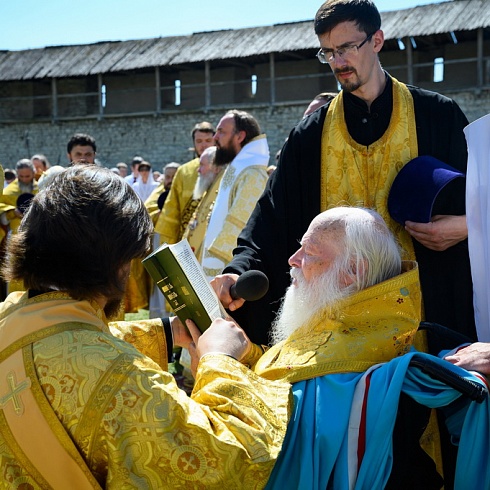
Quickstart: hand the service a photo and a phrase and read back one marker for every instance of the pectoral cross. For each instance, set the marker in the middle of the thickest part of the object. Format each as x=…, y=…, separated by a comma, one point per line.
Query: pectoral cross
x=14, y=394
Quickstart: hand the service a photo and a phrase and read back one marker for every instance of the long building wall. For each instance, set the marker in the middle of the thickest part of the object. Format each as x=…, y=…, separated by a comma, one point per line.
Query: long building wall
x=164, y=138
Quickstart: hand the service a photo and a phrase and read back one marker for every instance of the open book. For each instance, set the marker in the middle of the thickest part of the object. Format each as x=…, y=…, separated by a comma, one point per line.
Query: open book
x=180, y=277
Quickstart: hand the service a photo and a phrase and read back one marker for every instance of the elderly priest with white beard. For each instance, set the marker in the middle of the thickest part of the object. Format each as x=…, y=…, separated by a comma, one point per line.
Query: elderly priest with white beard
x=344, y=337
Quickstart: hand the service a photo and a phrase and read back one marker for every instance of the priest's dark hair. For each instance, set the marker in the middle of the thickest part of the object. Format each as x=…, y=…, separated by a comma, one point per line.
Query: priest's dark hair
x=245, y=122
x=333, y=12
x=78, y=233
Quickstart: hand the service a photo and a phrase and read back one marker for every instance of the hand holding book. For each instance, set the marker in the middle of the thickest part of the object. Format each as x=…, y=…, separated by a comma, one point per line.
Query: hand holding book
x=180, y=277
x=223, y=337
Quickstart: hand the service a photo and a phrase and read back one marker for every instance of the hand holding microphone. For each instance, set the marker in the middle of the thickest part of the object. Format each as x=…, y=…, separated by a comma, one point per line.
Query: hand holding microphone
x=250, y=286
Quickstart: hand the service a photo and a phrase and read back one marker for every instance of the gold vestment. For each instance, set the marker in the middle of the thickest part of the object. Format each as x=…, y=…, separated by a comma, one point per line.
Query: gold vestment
x=372, y=326
x=198, y=224
x=358, y=175
x=170, y=223
x=126, y=419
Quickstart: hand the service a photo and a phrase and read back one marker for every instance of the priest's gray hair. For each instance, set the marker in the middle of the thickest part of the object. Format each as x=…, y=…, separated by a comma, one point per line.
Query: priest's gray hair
x=372, y=254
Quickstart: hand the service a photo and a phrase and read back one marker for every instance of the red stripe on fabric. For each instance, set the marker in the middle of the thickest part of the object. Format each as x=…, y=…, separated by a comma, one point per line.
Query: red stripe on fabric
x=481, y=377
x=361, y=445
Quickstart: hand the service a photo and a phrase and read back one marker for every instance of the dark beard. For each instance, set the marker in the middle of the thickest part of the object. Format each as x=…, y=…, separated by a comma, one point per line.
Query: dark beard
x=348, y=86
x=113, y=308
x=224, y=156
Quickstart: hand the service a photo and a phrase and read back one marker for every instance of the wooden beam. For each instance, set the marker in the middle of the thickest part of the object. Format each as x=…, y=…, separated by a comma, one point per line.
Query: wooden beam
x=158, y=91
x=272, y=76
x=54, y=100
x=479, y=55
x=100, y=116
x=207, y=87
x=409, y=48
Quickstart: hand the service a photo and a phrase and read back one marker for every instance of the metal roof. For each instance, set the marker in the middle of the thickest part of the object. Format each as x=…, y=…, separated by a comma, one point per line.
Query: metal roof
x=107, y=57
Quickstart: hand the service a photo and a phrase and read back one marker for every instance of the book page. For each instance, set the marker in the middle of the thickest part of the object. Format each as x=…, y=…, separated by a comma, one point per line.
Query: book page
x=193, y=270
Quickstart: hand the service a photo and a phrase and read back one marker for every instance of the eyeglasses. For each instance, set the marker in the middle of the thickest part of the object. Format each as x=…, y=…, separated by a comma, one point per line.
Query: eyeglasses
x=328, y=55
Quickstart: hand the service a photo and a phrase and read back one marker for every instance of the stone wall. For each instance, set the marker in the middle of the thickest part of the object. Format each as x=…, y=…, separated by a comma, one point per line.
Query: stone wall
x=164, y=138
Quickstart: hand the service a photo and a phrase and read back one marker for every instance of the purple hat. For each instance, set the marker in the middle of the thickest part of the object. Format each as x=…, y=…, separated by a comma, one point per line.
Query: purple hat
x=416, y=187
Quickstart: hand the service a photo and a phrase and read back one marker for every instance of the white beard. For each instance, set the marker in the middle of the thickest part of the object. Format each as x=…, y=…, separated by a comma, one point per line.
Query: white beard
x=25, y=188
x=203, y=183
x=303, y=300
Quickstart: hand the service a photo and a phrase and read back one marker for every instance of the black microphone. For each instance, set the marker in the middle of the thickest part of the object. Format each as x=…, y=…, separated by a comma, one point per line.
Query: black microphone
x=250, y=286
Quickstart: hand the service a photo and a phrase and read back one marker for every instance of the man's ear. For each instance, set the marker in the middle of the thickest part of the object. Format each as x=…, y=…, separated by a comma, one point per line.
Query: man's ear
x=379, y=40
x=241, y=136
x=355, y=274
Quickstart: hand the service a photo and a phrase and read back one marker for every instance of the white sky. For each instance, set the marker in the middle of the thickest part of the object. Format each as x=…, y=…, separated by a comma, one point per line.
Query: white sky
x=30, y=24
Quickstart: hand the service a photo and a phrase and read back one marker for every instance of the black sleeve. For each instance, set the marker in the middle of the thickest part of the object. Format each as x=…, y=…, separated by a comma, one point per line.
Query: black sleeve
x=290, y=201
x=169, y=337
x=445, y=277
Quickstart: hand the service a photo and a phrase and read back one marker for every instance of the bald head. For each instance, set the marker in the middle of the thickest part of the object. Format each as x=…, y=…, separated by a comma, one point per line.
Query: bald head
x=343, y=251
x=207, y=156
x=207, y=172
x=357, y=237
x=369, y=245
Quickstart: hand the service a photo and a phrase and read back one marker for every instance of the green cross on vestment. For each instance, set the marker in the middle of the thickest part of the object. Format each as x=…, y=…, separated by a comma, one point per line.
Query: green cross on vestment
x=14, y=394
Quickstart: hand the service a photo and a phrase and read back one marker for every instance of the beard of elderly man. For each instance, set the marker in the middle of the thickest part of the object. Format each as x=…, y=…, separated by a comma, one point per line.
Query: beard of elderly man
x=352, y=305
x=303, y=300
x=332, y=264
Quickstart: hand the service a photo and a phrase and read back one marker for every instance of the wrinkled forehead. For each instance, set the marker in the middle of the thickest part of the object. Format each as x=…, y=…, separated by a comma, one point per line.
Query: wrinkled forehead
x=327, y=224
x=321, y=231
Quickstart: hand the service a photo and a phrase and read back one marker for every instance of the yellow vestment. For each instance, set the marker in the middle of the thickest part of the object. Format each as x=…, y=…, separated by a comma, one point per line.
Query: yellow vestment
x=197, y=226
x=171, y=222
x=371, y=326
x=151, y=204
x=8, y=204
x=127, y=421
x=356, y=175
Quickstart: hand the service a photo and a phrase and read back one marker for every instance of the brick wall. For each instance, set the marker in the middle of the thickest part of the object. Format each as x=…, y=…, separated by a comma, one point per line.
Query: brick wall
x=164, y=138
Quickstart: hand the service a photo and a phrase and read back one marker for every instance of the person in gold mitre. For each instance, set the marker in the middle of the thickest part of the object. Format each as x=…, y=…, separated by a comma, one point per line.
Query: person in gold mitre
x=86, y=403
x=343, y=337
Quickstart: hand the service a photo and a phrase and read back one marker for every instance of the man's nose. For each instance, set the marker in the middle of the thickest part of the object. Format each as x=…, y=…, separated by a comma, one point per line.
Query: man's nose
x=295, y=259
x=337, y=61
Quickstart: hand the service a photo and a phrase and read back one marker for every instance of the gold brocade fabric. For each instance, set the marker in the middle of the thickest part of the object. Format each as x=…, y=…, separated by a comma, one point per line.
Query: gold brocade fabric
x=130, y=422
x=356, y=175
x=372, y=326
x=198, y=224
x=138, y=288
x=151, y=204
x=170, y=223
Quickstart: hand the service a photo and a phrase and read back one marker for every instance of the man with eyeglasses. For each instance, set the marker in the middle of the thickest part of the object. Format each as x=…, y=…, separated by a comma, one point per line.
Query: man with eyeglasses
x=349, y=152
